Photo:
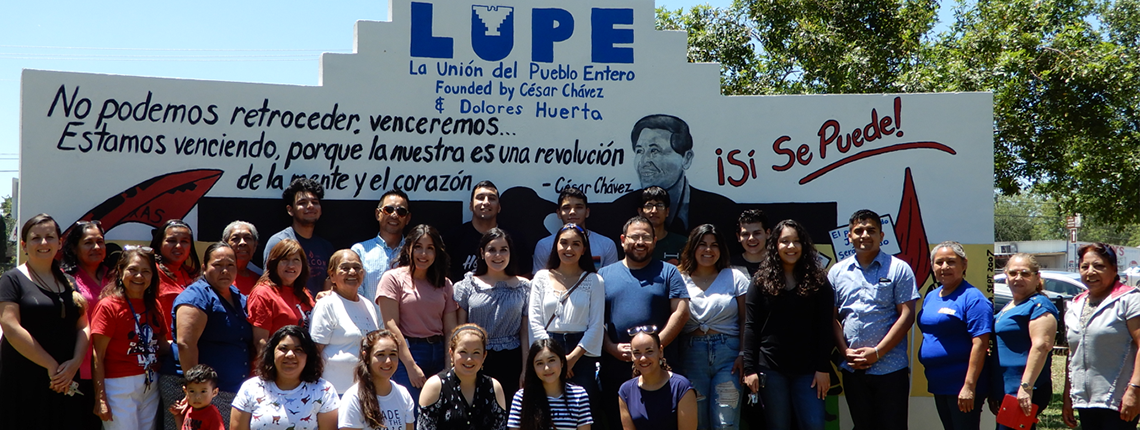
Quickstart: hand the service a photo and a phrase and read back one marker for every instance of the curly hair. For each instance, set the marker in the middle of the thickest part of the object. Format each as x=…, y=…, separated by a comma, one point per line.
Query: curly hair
x=809, y=276
x=71, y=262
x=314, y=363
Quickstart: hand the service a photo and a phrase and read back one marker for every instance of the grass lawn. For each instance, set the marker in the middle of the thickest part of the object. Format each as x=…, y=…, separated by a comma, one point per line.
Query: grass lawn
x=1051, y=417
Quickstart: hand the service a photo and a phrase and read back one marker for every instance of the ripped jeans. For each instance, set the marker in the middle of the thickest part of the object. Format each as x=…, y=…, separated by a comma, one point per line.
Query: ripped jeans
x=707, y=362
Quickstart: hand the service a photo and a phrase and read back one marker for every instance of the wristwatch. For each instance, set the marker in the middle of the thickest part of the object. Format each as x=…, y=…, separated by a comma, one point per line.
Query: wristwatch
x=1025, y=386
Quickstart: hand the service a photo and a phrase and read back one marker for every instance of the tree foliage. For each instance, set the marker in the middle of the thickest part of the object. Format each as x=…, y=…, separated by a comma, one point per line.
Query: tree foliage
x=1064, y=74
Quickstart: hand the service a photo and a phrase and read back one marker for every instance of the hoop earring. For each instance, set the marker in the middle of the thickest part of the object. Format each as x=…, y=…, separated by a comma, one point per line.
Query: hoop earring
x=661, y=363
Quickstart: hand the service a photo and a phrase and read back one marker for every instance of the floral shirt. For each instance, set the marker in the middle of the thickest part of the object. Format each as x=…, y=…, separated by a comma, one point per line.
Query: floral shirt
x=273, y=408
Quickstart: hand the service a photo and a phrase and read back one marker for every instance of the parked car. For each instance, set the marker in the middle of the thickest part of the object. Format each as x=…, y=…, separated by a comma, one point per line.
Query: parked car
x=1058, y=285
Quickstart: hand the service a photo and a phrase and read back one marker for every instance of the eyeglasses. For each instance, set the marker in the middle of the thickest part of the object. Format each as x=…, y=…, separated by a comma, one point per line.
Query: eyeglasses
x=1021, y=273
x=640, y=238
x=652, y=206
x=647, y=329
x=400, y=211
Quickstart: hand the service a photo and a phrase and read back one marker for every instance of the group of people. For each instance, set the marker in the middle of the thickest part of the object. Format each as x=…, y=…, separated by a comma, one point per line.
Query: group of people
x=390, y=334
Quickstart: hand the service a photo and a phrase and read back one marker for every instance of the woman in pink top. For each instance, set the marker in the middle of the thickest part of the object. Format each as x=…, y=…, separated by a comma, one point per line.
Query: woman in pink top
x=178, y=263
x=280, y=297
x=418, y=305
x=83, y=253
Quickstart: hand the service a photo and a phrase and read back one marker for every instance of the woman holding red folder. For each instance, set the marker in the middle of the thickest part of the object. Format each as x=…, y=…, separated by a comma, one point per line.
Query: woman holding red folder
x=1025, y=329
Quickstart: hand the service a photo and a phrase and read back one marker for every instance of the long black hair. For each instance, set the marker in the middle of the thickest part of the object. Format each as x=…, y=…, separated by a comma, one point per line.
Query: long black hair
x=585, y=261
x=70, y=262
x=192, y=266
x=490, y=235
x=437, y=272
x=535, y=407
x=809, y=276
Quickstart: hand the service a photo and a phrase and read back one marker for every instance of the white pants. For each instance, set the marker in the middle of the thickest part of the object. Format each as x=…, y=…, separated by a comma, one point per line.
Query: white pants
x=133, y=407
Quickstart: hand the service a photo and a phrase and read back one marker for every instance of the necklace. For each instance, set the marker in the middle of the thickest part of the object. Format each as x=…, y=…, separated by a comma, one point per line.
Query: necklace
x=36, y=279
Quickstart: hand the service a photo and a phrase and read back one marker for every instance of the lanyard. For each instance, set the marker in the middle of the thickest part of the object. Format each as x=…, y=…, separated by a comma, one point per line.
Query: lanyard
x=141, y=347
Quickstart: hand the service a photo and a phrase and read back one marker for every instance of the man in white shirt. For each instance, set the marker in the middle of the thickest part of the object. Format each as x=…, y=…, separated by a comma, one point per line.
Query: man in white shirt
x=573, y=208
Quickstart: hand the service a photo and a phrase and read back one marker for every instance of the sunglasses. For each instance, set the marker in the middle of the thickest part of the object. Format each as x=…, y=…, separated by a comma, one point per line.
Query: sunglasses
x=400, y=211
x=145, y=249
x=647, y=329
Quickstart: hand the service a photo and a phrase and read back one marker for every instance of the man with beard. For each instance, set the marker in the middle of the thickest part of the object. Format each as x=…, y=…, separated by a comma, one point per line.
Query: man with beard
x=378, y=253
x=642, y=294
x=303, y=203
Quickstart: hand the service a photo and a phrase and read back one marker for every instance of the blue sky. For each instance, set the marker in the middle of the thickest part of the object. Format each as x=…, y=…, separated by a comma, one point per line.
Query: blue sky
x=245, y=41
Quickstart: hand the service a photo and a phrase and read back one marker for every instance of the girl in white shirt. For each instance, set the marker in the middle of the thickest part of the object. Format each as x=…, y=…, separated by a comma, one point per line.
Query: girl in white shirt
x=711, y=355
x=567, y=303
x=375, y=402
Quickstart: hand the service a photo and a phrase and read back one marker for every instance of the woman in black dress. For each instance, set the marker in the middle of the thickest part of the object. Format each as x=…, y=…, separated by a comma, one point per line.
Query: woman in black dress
x=45, y=338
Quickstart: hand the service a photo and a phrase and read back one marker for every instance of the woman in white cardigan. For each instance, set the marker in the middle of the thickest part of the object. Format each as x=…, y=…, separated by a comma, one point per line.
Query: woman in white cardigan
x=567, y=303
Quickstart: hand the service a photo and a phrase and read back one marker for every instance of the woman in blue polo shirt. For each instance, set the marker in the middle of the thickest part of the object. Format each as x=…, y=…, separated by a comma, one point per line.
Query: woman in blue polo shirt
x=1025, y=329
x=956, y=321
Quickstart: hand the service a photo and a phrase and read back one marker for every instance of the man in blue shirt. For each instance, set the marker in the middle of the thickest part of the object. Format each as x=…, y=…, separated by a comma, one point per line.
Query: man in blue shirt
x=640, y=291
x=875, y=296
x=303, y=203
x=380, y=253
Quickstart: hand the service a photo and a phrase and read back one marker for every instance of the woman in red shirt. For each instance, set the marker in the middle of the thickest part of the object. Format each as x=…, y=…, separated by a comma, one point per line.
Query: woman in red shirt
x=280, y=297
x=178, y=263
x=128, y=333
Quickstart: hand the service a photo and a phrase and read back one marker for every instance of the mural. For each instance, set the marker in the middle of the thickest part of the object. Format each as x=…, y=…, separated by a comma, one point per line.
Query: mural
x=534, y=96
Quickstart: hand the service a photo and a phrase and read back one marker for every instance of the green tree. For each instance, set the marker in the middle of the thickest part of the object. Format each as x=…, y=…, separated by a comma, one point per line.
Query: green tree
x=1063, y=73
x=1027, y=217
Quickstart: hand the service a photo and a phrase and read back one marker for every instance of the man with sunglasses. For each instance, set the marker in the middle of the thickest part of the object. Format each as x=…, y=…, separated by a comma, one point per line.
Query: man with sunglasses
x=655, y=208
x=303, y=204
x=573, y=207
x=463, y=241
x=378, y=254
x=641, y=292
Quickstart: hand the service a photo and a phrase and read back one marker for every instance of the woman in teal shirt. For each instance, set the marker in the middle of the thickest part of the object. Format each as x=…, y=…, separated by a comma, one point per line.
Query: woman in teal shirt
x=1025, y=329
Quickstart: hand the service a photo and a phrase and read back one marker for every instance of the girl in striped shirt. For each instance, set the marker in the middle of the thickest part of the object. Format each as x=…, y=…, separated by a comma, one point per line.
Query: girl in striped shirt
x=547, y=401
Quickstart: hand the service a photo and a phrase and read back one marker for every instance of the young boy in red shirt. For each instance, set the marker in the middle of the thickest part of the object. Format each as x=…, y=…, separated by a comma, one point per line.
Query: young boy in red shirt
x=195, y=411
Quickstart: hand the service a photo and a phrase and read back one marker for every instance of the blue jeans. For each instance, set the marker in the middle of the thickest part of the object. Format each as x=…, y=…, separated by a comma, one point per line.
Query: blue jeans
x=429, y=356
x=787, y=396
x=707, y=362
